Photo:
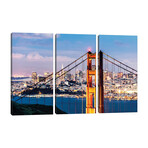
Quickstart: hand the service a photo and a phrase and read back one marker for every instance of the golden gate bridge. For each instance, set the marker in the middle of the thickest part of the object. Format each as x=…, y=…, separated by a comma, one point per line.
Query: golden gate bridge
x=116, y=81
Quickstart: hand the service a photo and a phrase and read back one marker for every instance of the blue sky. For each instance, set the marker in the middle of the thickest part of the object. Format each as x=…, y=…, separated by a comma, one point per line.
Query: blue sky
x=34, y=51
x=31, y=52
x=123, y=48
x=69, y=47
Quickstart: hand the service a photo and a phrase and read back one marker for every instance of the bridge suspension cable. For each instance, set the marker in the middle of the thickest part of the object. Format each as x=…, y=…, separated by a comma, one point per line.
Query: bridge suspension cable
x=71, y=63
x=119, y=84
x=120, y=66
x=71, y=68
x=120, y=62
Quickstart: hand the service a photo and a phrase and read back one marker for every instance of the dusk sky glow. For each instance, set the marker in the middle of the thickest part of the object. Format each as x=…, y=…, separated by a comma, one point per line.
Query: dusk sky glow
x=123, y=48
x=31, y=52
x=34, y=51
x=69, y=47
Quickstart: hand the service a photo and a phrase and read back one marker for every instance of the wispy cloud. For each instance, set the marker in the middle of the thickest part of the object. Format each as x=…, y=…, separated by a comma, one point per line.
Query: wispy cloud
x=17, y=56
x=120, y=43
x=33, y=56
x=32, y=35
x=27, y=50
x=31, y=52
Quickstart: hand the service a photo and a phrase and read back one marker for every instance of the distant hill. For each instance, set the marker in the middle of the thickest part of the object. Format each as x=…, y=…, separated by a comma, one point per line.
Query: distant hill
x=19, y=78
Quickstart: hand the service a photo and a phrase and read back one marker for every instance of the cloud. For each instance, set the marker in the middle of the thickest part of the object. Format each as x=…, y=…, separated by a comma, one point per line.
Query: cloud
x=34, y=56
x=37, y=57
x=32, y=35
x=17, y=56
x=44, y=35
x=31, y=62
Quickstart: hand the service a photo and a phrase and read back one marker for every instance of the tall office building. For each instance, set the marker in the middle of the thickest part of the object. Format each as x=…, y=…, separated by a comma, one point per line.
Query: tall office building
x=34, y=77
x=41, y=79
x=46, y=74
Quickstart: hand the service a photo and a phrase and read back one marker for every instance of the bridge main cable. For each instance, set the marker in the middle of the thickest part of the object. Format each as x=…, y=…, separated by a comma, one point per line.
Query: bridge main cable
x=71, y=63
x=119, y=62
x=71, y=68
x=120, y=66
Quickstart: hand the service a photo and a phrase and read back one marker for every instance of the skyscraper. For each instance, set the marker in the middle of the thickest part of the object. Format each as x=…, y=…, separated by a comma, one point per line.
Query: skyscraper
x=34, y=77
x=46, y=74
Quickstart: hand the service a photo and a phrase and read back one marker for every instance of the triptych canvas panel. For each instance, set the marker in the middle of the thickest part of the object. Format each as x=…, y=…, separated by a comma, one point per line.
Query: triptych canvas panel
x=85, y=82
x=32, y=74
x=119, y=57
x=71, y=72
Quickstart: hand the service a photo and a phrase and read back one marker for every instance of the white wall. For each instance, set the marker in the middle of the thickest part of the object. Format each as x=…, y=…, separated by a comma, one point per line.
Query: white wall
x=128, y=17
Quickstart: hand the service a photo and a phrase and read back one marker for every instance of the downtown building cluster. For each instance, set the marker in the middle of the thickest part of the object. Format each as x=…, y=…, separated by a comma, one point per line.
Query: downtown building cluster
x=120, y=86
x=37, y=84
